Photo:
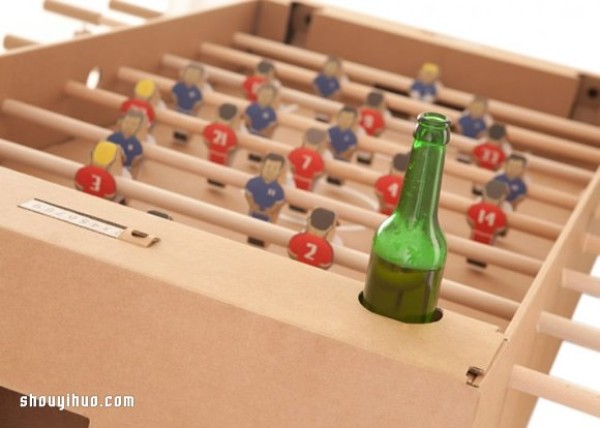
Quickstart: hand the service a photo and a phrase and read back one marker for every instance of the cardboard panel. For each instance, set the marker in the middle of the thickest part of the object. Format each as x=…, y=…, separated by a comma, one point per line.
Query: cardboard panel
x=465, y=66
x=272, y=19
x=20, y=410
x=193, y=336
x=525, y=346
x=38, y=74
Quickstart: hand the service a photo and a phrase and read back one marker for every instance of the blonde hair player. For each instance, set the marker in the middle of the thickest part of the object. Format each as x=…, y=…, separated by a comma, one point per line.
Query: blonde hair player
x=98, y=178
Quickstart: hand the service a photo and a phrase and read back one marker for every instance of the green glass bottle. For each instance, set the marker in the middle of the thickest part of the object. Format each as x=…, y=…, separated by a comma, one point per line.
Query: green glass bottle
x=409, y=248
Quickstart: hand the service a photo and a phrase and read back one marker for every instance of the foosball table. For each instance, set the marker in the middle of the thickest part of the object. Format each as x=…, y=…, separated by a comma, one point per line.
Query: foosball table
x=203, y=329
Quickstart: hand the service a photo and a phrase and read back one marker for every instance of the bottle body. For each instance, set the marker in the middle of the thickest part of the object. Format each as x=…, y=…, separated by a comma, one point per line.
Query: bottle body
x=409, y=248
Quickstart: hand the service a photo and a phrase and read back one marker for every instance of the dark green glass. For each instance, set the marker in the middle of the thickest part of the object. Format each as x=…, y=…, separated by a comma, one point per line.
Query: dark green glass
x=409, y=248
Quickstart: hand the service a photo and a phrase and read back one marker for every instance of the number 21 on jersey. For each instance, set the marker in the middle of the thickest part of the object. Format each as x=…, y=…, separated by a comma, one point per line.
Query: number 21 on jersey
x=219, y=137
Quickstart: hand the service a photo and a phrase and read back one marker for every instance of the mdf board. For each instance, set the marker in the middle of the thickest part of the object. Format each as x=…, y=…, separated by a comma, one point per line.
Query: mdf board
x=247, y=336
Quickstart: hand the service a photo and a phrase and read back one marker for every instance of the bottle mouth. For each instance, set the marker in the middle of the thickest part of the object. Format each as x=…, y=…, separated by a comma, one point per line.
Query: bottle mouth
x=433, y=119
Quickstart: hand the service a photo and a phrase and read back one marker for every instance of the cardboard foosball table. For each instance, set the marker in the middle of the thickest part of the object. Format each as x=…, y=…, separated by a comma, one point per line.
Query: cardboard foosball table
x=205, y=330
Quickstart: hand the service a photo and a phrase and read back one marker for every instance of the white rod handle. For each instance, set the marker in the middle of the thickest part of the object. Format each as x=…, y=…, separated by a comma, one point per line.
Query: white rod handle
x=554, y=389
x=570, y=331
x=581, y=282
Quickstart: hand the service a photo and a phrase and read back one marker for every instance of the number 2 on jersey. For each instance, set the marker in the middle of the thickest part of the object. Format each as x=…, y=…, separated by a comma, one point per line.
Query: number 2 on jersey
x=312, y=250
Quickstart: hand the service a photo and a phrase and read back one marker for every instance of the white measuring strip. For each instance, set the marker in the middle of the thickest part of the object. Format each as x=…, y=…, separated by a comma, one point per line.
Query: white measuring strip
x=73, y=217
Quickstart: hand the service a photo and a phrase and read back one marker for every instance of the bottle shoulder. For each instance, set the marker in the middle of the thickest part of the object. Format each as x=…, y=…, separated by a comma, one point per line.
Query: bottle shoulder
x=417, y=246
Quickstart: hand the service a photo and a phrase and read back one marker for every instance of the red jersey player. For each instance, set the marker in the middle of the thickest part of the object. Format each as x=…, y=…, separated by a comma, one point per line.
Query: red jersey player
x=145, y=98
x=312, y=246
x=389, y=187
x=486, y=218
x=264, y=73
x=220, y=136
x=96, y=178
x=306, y=162
x=372, y=117
x=492, y=153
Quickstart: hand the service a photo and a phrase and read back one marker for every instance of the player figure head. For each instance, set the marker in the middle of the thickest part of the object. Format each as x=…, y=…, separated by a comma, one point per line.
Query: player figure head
x=108, y=156
x=515, y=165
x=376, y=100
x=266, y=94
x=347, y=118
x=265, y=69
x=399, y=164
x=495, y=192
x=314, y=139
x=429, y=73
x=321, y=222
x=497, y=133
x=132, y=122
x=229, y=114
x=477, y=108
x=146, y=90
x=193, y=74
x=332, y=67
x=272, y=167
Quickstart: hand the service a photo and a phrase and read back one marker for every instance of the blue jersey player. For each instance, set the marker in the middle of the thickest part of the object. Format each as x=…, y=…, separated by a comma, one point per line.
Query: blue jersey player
x=260, y=116
x=327, y=83
x=126, y=137
x=264, y=194
x=474, y=121
x=187, y=94
x=514, y=170
x=341, y=138
x=425, y=86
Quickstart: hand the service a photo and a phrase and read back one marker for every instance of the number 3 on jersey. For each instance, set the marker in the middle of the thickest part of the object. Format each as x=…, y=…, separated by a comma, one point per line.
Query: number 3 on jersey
x=96, y=183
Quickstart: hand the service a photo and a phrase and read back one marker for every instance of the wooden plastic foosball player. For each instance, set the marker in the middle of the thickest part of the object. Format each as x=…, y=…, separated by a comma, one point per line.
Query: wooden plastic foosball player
x=201, y=328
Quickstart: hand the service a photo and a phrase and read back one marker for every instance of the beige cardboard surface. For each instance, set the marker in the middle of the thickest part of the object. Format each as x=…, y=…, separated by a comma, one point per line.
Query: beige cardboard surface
x=38, y=74
x=506, y=408
x=522, y=81
x=494, y=279
x=104, y=316
x=272, y=19
x=200, y=328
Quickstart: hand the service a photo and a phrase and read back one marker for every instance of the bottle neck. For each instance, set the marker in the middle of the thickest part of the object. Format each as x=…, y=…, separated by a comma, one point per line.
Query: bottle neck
x=422, y=184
